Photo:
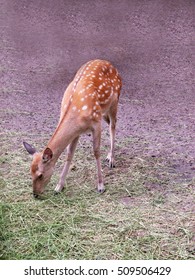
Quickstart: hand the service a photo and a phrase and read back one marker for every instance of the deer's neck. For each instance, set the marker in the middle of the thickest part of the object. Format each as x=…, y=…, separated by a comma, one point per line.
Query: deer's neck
x=64, y=134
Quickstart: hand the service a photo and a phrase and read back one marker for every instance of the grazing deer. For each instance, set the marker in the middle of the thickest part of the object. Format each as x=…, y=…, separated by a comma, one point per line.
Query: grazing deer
x=93, y=94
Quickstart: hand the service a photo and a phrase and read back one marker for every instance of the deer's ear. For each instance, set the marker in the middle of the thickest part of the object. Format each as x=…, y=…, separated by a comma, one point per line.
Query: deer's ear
x=31, y=150
x=47, y=155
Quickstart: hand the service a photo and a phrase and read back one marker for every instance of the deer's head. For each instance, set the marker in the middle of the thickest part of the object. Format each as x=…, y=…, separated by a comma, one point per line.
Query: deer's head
x=41, y=168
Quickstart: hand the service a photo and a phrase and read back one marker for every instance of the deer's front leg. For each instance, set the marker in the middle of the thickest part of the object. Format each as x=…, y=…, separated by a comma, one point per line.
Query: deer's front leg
x=70, y=153
x=96, y=148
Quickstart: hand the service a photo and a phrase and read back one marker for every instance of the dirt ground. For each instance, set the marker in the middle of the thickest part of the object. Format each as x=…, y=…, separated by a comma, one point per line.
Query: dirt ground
x=43, y=43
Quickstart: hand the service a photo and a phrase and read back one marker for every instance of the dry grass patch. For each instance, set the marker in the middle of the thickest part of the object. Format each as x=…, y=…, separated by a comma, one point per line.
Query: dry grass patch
x=144, y=214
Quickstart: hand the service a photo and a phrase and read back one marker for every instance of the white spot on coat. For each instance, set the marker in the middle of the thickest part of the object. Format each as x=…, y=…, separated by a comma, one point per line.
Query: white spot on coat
x=84, y=107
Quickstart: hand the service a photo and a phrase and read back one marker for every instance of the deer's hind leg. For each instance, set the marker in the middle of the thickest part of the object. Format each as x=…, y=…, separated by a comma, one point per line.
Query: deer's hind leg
x=110, y=118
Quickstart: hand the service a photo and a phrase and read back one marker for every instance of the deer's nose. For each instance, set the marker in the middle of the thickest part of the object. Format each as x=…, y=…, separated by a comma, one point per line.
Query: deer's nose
x=35, y=195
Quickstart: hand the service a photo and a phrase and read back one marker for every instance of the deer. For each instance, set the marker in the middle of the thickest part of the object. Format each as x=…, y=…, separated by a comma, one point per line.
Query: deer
x=92, y=95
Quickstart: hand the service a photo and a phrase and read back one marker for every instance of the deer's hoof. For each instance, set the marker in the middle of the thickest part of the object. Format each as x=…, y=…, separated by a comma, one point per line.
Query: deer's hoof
x=58, y=188
x=110, y=161
x=101, y=188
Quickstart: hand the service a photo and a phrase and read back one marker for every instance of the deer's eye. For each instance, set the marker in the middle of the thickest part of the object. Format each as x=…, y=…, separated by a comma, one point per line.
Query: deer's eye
x=40, y=176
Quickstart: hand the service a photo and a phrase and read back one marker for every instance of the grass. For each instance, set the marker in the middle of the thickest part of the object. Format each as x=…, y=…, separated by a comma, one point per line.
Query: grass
x=144, y=214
